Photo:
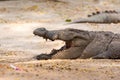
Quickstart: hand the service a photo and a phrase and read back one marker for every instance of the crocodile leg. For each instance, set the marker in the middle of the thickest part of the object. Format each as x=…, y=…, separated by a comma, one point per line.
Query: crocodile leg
x=97, y=46
x=113, y=52
x=104, y=55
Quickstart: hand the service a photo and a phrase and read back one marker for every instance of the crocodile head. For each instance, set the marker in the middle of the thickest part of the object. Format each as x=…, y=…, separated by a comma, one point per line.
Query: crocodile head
x=71, y=37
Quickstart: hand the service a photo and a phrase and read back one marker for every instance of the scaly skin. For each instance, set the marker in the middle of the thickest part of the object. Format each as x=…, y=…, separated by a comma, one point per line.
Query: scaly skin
x=101, y=17
x=81, y=44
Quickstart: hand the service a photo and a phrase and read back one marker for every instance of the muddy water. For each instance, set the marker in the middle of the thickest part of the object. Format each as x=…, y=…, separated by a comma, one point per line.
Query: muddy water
x=18, y=20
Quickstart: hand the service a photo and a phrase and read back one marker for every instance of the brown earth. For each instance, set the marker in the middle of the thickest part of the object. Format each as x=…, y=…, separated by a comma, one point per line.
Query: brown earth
x=18, y=46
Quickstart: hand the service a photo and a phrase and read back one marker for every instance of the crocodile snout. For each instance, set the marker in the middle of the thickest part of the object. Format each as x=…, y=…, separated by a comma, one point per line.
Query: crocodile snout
x=40, y=31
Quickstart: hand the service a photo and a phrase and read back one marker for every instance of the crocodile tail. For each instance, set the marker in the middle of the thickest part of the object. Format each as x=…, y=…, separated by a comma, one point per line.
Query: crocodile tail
x=106, y=11
x=83, y=21
x=79, y=21
x=97, y=17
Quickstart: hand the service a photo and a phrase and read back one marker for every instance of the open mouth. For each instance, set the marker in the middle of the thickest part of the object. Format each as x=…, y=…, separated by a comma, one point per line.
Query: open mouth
x=45, y=56
x=67, y=44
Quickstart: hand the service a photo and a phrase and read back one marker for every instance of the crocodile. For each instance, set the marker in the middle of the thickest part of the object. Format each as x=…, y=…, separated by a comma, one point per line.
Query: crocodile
x=81, y=44
x=108, y=16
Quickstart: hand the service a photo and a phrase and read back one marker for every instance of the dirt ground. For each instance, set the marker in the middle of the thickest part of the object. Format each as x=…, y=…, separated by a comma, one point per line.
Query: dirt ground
x=18, y=45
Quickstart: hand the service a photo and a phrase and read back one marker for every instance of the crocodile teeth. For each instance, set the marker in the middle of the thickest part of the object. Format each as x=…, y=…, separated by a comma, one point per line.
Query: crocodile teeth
x=46, y=39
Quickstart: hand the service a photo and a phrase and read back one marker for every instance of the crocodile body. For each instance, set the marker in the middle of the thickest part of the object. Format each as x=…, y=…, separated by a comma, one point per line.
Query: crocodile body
x=101, y=17
x=81, y=44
